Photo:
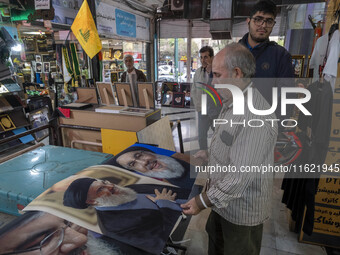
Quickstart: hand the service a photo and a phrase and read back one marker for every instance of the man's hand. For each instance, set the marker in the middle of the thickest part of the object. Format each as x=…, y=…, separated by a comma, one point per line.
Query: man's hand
x=190, y=207
x=165, y=195
x=203, y=155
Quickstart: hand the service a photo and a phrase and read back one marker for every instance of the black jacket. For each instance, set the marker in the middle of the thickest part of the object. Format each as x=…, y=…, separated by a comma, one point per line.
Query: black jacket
x=272, y=61
x=140, y=76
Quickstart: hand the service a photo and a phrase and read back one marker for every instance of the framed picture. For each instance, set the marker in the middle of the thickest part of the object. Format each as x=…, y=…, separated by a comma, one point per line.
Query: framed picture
x=87, y=95
x=38, y=67
x=298, y=62
x=105, y=92
x=166, y=93
x=65, y=96
x=114, y=77
x=127, y=89
x=38, y=58
x=178, y=99
x=148, y=86
x=40, y=118
x=46, y=67
x=120, y=75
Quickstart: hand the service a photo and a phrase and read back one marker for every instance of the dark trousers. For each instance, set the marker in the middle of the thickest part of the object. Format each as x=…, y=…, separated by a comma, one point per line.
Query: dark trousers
x=226, y=238
x=204, y=124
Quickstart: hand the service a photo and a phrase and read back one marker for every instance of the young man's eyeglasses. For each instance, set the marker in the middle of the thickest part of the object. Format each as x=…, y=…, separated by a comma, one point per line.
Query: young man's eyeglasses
x=48, y=245
x=259, y=21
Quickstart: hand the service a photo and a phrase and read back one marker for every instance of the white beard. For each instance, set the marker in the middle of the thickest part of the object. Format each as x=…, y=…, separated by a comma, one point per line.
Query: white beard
x=174, y=170
x=96, y=246
x=125, y=195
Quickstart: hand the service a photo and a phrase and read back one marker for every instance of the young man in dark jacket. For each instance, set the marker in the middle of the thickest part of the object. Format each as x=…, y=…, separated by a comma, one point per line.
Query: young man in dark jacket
x=272, y=60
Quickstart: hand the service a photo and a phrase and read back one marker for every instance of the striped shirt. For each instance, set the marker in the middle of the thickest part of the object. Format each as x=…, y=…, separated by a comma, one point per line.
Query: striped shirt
x=243, y=198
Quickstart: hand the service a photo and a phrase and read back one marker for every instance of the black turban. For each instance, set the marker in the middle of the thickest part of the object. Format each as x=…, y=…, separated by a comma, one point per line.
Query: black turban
x=76, y=194
x=114, y=162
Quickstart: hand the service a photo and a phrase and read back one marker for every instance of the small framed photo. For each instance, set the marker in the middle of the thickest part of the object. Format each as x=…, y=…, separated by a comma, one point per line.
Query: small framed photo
x=114, y=77
x=38, y=58
x=168, y=88
x=38, y=67
x=46, y=67
x=298, y=62
x=178, y=99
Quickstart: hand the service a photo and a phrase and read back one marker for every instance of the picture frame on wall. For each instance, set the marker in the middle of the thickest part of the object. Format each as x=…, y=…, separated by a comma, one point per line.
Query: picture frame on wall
x=46, y=66
x=178, y=99
x=38, y=58
x=298, y=62
x=114, y=77
x=38, y=67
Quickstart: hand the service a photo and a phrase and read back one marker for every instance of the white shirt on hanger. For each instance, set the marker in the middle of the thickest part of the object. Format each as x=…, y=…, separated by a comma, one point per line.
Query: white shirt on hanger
x=331, y=68
x=318, y=55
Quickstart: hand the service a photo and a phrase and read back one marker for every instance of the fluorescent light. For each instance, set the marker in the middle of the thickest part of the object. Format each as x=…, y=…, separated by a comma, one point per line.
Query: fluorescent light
x=34, y=33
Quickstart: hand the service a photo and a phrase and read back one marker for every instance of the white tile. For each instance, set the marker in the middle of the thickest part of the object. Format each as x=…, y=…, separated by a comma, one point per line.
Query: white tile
x=293, y=246
x=267, y=251
x=284, y=253
x=268, y=241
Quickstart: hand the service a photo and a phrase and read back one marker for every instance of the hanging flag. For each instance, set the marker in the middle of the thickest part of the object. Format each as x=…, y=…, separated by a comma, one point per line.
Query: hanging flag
x=85, y=30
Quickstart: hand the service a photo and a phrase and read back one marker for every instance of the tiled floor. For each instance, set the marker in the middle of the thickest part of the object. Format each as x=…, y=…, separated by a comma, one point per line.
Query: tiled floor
x=277, y=240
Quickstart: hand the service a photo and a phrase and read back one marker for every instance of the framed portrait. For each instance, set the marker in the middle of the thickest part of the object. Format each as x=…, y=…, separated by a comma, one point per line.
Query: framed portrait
x=119, y=86
x=166, y=93
x=38, y=58
x=114, y=77
x=178, y=99
x=39, y=118
x=148, y=86
x=46, y=66
x=38, y=67
x=105, y=92
x=298, y=62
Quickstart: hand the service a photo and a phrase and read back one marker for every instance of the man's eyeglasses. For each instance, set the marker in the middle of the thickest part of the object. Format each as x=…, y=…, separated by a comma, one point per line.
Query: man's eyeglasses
x=48, y=245
x=259, y=21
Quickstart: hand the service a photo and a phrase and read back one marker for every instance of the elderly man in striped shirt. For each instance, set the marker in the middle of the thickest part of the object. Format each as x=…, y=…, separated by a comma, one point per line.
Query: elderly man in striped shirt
x=240, y=201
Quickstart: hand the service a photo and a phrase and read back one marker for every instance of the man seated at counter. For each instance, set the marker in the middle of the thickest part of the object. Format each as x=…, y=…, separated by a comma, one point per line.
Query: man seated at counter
x=131, y=72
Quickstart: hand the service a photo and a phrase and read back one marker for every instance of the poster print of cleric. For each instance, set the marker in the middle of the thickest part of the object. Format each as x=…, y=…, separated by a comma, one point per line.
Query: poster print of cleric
x=116, y=203
x=157, y=163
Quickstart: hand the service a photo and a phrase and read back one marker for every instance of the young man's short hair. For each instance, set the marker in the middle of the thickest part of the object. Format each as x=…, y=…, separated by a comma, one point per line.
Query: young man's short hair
x=265, y=6
x=209, y=49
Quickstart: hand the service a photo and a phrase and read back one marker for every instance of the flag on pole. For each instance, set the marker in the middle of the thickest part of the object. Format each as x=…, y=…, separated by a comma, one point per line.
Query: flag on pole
x=85, y=30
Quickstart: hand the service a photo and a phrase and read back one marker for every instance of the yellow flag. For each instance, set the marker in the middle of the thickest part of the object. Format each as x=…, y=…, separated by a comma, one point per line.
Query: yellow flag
x=85, y=30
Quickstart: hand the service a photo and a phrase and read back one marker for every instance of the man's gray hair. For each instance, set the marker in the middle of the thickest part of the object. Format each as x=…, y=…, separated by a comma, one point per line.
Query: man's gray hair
x=239, y=56
x=129, y=56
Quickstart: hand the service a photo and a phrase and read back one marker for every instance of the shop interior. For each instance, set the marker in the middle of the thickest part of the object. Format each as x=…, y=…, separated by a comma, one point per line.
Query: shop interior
x=65, y=114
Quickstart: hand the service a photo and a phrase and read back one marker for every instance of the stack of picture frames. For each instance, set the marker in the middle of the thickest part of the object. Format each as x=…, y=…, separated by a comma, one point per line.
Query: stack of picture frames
x=143, y=98
x=175, y=94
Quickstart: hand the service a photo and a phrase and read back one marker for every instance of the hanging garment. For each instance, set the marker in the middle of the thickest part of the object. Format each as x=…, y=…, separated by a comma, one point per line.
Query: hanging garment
x=318, y=56
x=331, y=68
x=300, y=193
